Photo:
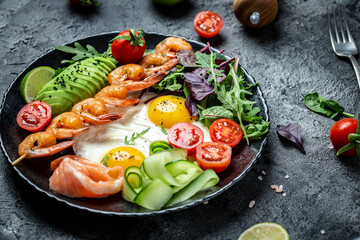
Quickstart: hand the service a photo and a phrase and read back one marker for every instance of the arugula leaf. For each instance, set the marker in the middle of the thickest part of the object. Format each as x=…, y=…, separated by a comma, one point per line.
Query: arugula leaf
x=234, y=100
x=217, y=112
x=104, y=161
x=170, y=82
x=163, y=130
x=330, y=108
x=82, y=53
x=135, y=136
x=203, y=59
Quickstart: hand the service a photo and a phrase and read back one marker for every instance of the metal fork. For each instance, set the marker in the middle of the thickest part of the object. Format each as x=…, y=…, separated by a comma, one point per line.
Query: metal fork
x=343, y=43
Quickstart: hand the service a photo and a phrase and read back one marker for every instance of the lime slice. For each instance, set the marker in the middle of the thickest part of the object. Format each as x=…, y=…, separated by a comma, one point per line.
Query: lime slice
x=265, y=231
x=34, y=81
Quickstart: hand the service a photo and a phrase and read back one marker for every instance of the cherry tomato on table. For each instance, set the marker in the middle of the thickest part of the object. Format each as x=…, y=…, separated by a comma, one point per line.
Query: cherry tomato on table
x=185, y=135
x=213, y=155
x=208, y=24
x=34, y=116
x=339, y=133
x=129, y=46
x=226, y=131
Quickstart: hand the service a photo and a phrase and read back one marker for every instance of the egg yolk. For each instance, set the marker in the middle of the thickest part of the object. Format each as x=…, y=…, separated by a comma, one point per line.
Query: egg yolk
x=123, y=157
x=168, y=110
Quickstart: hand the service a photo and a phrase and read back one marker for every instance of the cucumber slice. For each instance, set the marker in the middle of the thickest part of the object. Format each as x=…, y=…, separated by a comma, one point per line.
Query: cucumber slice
x=154, y=165
x=132, y=183
x=183, y=172
x=207, y=179
x=154, y=195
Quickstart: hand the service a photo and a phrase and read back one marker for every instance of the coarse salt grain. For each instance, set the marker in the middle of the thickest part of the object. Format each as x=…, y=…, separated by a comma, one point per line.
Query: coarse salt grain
x=284, y=194
x=263, y=172
x=206, y=202
x=287, y=176
x=260, y=178
x=252, y=204
x=278, y=189
x=322, y=231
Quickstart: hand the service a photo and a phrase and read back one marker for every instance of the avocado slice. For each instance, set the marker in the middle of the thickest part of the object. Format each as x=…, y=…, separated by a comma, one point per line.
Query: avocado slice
x=58, y=105
x=91, y=78
x=109, y=62
x=70, y=95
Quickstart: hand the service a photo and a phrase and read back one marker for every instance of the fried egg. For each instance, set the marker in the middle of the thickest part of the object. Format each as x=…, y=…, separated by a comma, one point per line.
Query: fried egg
x=96, y=142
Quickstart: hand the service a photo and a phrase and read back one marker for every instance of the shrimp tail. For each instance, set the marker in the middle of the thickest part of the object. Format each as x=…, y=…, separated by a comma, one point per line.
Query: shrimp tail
x=44, y=152
x=118, y=102
x=102, y=119
x=146, y=83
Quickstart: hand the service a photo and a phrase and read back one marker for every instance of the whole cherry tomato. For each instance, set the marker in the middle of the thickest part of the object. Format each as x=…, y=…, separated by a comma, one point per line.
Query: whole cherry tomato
x=208, y=24
x=34, y=116
x=129, y=46
x=339, y=133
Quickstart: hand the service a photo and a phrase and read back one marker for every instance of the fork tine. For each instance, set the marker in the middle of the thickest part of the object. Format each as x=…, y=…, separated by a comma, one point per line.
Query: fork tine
x=335, y=25
x=332, y=39
x=347, y=24
x=341, y=17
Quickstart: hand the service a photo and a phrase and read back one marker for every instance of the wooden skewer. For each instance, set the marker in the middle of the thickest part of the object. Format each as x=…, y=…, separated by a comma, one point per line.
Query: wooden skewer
x=18, y=160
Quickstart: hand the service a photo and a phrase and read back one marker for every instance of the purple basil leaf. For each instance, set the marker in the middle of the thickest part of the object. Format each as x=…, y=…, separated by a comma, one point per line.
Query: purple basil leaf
x=190, y=105
x=291, y=132
x=186, y=58
x=198, y=83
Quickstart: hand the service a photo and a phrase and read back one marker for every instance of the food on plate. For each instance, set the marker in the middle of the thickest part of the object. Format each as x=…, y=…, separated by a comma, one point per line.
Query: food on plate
x=124, y=156
x=185, y=135
x=78, y=81
x=66, y=125
x=226, y=131
x=129, y=46
x=168, y=110
x=78, y=177
x=34, y=116
x=149, y=127
x=94, y=112
x=255, y=13
x=42, y=144
x=165, y=179
x=340, y=133
x=208, y=24
x=33, y=81
x=213, y=155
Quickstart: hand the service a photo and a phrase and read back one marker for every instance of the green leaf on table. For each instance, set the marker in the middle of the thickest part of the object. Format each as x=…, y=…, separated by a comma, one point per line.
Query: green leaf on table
x=327, y=107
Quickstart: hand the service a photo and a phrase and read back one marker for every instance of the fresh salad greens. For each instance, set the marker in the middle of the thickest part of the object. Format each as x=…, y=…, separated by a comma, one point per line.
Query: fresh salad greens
x=134, y=136
x=215, y=87
x=330, y=108
x=82, y=53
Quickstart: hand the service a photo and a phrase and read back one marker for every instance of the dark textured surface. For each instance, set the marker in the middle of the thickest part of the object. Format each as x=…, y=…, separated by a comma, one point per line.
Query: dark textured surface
x=289, y=58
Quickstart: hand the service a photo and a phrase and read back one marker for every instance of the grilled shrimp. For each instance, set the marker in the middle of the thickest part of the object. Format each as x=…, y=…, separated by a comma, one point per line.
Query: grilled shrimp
x=115, y=95
x=94, y=112
x=41, y=144
x=126, y=72
x=154, y=60
x=171, y=45
x=66, y=125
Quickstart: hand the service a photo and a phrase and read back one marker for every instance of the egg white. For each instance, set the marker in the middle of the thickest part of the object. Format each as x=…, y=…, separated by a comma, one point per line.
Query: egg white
x=98, y=140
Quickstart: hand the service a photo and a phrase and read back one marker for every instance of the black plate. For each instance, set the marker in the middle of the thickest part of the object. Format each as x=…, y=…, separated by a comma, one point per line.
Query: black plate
x=37, y=171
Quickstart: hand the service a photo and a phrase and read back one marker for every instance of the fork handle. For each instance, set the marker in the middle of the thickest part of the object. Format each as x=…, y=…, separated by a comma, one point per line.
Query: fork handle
x=356, y=68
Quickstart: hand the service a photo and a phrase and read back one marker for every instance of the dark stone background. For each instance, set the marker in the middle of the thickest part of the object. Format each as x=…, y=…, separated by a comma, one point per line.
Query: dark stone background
x=289, y=58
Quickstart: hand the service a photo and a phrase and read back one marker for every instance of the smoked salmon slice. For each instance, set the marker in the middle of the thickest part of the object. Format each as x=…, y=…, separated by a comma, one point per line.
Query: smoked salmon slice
x=78, y=177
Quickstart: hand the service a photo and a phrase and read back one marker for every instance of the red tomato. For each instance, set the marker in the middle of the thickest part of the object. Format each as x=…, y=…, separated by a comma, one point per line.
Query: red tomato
x=208, y=24
x=213, y=155
x=128, y=51
x=226, y=131
x=339, y=134
x=34, y=116
x=185, y=135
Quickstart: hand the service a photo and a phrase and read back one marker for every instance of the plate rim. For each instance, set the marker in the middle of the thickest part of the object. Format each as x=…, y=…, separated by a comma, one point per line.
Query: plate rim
x=148, y=213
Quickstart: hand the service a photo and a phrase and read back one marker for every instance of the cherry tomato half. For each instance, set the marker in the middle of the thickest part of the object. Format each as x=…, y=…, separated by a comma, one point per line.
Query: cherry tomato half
x=124, y=52
x=226, y=131
x=34, y=116
x=185, y=135
x=213, y=155
x=208, y=24
x=339, y=133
